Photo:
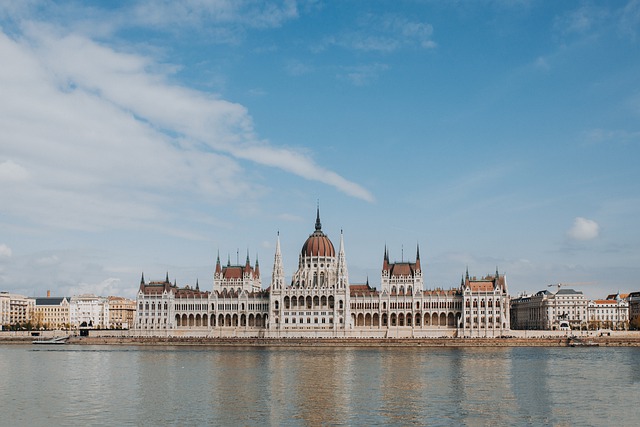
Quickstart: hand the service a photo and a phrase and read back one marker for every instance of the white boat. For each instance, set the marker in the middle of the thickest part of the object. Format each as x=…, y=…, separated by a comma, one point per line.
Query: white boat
x=54, y=340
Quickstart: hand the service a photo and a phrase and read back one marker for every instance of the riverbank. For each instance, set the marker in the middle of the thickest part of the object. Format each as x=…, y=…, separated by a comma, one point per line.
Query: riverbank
x=605, y=341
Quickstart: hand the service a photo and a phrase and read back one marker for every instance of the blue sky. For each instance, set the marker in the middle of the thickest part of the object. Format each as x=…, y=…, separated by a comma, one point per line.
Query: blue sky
x=146, y=136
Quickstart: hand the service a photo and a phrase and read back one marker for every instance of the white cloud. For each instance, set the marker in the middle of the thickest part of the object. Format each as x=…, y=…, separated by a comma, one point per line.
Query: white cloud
x=5, y=251
x=584, y=229
x=108, y=140
x=12, y=172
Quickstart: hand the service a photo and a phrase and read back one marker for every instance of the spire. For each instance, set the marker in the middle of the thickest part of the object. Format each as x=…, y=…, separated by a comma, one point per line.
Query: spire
x=167, y=278
x=467, y=273
x=228, y=260
x=248, y=263
x=318, y=223
x=418, y=267
x=277, y=275
x=197, y=285
x=218, y=268
x=497, y=274
x=142, y=279
x=256, y=270
x=385, y=259
x=343, y=275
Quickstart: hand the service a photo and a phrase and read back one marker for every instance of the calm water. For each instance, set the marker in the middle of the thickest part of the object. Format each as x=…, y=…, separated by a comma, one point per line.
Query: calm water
x=115, y=385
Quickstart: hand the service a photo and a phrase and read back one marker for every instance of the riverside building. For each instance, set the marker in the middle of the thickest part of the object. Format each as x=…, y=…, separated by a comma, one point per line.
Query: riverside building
x=319, y=301
x=546, y=310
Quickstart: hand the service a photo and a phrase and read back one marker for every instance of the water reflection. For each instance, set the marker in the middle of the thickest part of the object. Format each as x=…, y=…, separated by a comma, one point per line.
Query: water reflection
x=81, y=385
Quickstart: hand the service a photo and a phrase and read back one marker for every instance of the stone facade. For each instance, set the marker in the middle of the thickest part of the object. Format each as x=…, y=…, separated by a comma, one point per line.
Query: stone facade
x=319, y=301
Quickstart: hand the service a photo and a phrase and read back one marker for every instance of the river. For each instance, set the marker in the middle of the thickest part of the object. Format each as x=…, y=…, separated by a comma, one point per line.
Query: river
x=198, y=385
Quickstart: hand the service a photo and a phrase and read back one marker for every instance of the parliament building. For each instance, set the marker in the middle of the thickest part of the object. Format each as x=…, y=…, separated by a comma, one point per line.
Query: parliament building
x=320, y=302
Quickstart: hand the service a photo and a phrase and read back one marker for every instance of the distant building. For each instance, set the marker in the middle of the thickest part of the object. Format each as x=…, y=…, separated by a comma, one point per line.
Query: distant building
x=122, y=312
x=15, y=310
x=634, y=309
x=51, y=312
x=89, y=311
x=545, y=310
x=610, y=313
x=5, y=310
x=319, y=301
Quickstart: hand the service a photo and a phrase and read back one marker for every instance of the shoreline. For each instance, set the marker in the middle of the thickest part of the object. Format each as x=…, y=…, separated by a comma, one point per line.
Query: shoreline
x=337, y=342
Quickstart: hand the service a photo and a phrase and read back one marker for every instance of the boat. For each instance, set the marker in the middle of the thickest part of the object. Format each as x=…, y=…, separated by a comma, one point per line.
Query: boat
x=574, y=341
x=54, y=340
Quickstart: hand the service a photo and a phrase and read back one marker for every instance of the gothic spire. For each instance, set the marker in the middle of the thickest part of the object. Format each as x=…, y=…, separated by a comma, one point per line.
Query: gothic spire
x=142, y=279
x=318, y=223
x=277, y=274
x=218, y=268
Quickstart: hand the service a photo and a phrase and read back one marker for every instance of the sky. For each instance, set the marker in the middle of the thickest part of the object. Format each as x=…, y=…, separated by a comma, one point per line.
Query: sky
x=151, y=136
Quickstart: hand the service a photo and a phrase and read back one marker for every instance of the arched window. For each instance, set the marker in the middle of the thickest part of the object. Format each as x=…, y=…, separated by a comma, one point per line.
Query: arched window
x=340, y=304
x=276, y=304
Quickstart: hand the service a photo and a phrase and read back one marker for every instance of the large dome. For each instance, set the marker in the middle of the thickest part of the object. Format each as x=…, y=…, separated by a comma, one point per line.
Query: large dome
x=318, y=244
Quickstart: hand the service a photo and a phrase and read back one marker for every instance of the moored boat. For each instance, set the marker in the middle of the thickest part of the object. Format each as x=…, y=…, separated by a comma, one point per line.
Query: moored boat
x=54, y=340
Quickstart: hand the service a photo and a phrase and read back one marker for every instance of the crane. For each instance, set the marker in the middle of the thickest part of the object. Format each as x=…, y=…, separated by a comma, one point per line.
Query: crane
x=559, y=285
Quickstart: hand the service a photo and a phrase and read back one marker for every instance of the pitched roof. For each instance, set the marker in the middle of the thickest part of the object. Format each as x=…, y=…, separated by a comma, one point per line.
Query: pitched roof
x=50, y=301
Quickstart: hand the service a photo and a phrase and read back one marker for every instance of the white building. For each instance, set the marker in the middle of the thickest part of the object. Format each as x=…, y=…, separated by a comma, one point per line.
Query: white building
x=608, y=313
x=546, y=310
x=5, y=310
x=15, y=309
x=89, y=311
x=319, y=301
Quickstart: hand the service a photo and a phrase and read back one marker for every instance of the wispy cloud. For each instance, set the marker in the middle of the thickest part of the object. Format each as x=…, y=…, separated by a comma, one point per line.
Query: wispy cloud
x=383, y=34
x=96, y=137
x=612, y=136
x=362, y=75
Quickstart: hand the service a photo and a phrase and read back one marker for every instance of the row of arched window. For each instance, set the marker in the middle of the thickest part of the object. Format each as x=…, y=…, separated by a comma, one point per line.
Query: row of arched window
x=406, y=319
x=228, y=320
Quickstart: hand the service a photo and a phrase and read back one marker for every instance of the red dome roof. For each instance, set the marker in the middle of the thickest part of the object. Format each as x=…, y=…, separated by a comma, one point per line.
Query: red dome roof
x=318, y=244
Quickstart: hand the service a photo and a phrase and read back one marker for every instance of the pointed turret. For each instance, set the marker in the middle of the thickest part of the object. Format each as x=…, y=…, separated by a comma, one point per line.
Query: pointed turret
x=418, y=267
x=166, y=280
x=197, y=285
x=142, y=279
x=343, y=275
x=318, y=223
x=247, y=263
x=277, y=275
x=256, y=270
x=385, y=259
x=218, y=266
